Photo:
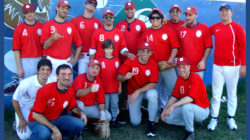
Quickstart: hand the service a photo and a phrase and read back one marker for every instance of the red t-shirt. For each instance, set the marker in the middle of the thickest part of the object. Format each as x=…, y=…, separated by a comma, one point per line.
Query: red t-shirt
x=108, y=74
x=60, y=49
x=144, y=73
x=230, y=44
x=26, y=38
x=50, y=102
x=193, y=87
x=194, y=40
x=101, y=35
x=163, y=41
x=86, y=28
x=81, y=82
x=137, y=27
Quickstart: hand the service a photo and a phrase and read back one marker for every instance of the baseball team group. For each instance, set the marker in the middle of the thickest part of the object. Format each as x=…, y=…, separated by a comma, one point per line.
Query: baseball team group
x=121, y=65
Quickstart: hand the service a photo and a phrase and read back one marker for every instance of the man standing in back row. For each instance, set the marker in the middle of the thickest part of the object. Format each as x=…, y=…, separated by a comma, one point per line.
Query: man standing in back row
x=229, y=64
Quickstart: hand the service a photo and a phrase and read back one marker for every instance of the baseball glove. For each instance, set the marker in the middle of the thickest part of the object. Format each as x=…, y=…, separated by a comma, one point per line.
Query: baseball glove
x=164, y=65
x=102, y=129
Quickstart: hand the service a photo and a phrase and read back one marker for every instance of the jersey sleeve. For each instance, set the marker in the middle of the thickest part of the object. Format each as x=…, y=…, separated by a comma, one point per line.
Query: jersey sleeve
x=241, y=40
x=40, y=102
x=155, y=72
x=94, y=40
x=173, y=39
x=16, y=41
x=20, y=91
x=72, y=103
x=76, y=37
x=100, y=98
x=125, y=67
x=45, y=33
x=211, y=29
x=123, y=44
x=77, y=83
x=208, y=38
x=176, y=92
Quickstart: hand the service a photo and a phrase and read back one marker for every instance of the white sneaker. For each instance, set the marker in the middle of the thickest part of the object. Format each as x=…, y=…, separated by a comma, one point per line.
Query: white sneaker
x=212, y=124
x=231, y=123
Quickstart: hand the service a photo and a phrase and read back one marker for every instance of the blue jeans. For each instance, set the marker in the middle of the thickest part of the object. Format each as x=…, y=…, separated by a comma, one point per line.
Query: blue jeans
x=68, y=125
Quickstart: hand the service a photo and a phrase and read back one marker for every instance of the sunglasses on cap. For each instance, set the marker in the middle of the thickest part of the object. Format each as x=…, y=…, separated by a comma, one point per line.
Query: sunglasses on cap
x=108, y=17
x=92, y=3
x=157, y=17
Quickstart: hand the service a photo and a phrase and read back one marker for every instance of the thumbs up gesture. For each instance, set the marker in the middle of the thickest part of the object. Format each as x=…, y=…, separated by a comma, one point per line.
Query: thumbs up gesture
x=57, y=36
x=94, y=87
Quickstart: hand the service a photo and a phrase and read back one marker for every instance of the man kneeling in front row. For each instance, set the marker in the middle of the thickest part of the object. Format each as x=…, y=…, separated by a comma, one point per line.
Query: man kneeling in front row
x=188, y=102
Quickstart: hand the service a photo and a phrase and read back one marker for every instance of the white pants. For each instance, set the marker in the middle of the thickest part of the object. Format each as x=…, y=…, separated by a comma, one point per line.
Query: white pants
x=83, y=63
x=56, y=63
x=92, y=111
x=135, y=108
x=29, y=66
x=24, y=135
x=186, y=114
x=111, y=101
x=230, y=76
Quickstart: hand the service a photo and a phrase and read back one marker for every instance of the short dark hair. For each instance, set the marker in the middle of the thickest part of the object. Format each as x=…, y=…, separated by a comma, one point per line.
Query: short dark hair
x=63, y=66
x=108, y=43
x=44, y=62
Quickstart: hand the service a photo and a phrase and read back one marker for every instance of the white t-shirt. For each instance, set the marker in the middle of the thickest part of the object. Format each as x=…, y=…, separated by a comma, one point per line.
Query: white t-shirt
x=25, y=93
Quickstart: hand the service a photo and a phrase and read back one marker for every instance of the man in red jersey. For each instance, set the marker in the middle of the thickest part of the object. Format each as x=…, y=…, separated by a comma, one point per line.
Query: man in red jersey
x=196, y=41
x=86, y=24
x=165, y=46
x=90, y=94
x=189, y=102
x=132, y=29
x=142, y=76
x=108, y=32
x=57, y=37
x=229, y=64
x=45, y=117
x=26, y=43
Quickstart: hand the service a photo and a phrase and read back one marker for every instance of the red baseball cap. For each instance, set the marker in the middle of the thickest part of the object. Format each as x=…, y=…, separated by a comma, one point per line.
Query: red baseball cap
x=94, y=62
x=146, y=45
x=108, y=12
x=28, y=7
x=129, y=5
x=63, y=3
x=191, y=10
x=94, y=1
x=182, y=61
x=155, y=10
x=175, y=6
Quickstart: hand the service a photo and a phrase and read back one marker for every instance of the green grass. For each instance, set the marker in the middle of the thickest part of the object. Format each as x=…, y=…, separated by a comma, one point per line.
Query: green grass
x=169, y=132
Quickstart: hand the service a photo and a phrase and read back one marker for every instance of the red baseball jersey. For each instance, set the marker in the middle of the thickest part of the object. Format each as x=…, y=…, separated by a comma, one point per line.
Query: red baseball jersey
x=174, y=26
x=26, y=38
x=60, y=49
x=81, y=82
x=108, y=74
x=230, y=44
x=131, y=31
x=163, y=41
x=101, y=35
x=194, y=40
x=193, y=87
x=144, y=73
x=50, y=102
x=86, y=28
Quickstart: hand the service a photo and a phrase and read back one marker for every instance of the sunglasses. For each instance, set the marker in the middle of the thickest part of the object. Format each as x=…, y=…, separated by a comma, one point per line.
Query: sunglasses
x=158, y=17
x=128, y=27
x=92, y=3
x=108, y=17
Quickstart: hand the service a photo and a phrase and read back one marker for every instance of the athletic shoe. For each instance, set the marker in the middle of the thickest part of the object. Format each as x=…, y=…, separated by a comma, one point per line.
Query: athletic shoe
x=115, y=124
x=212, y=124
x=151, y=129
x=189, y=135
x=231, y=123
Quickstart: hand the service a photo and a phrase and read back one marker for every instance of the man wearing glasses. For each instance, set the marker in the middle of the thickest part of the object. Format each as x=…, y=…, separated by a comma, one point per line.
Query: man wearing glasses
x=165, y=45
x=108, y=32
x=86, y=24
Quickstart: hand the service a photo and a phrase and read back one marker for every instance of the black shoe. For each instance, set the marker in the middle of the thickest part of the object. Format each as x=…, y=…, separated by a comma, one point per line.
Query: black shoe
x=115, y=124
x=189, y=135
x=151, y=129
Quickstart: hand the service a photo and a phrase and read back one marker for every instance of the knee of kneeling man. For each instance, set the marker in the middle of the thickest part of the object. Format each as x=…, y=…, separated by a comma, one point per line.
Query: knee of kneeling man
x=44, y=134
x=80, y=104
x=187, y=107
x=153, y=95
x=24, y=136
x=135, y=122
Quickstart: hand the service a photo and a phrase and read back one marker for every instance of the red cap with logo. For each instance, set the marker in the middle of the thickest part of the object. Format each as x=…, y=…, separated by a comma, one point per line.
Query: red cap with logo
x=156, y=10
x=175, y=6
x=93, y=1
x=63, y=3
x=129, y=5
x=108, y=12
x=191, y=10
x=28, y=7
x=183, y=61
x=94, y=62
x=146, y=45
